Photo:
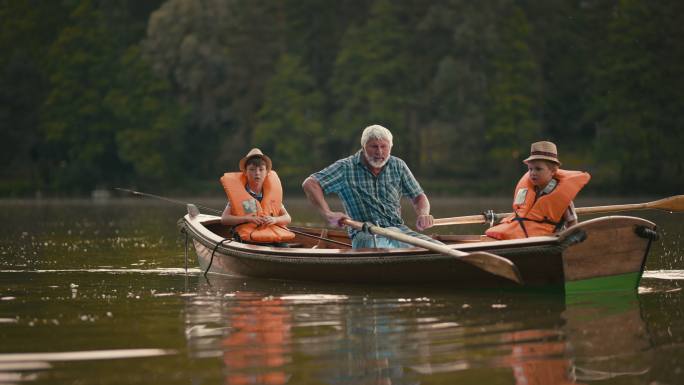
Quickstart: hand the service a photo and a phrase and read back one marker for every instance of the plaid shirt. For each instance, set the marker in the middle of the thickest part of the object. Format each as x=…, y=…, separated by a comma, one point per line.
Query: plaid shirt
x=366, y=197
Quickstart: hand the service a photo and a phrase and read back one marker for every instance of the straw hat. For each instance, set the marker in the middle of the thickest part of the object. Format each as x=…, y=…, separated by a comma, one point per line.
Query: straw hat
x=544, y=151
x=252, y=153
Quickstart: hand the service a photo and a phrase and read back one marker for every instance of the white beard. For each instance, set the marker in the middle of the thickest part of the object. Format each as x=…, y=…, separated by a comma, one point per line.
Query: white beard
x=374, y=163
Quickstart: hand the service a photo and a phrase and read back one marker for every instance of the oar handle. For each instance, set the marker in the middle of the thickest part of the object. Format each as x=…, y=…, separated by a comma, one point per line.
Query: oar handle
x=468, y=219
x=490, y=218
x=356, y=225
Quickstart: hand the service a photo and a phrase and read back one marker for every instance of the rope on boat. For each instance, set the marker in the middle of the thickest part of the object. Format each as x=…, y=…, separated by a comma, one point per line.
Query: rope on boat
x=211, y=260
x=186, y=252
x=183, y=230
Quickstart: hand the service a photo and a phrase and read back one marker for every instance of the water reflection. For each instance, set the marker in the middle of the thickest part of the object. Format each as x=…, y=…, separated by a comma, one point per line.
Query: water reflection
x=608, y=335
x=259, y=338
x=274, y=334
x=77, y=277
x=537, y=357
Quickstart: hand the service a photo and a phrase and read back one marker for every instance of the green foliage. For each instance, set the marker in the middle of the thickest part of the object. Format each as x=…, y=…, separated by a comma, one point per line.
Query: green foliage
x=514, y=113
x=290, y=125
x=95, y=93
x=25, y=33
x=217, y=56
x=151, y=126
x=99, y=98
x=78, y=130
x=314, y=30
x=373, y=80
x=639, y=99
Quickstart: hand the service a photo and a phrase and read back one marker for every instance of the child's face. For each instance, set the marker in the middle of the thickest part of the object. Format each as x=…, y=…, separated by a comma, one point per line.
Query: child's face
x=541, y=172
x=256, y=175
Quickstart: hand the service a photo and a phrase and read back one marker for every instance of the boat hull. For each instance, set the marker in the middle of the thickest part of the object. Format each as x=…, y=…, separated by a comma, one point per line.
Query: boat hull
x=591, y=254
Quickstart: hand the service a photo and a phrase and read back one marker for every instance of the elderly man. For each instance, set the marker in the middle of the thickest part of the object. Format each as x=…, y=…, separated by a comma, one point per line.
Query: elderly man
x=370, y=184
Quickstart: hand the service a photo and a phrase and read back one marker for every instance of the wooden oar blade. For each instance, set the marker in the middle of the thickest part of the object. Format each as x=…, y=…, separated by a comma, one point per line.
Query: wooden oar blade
x=494, y=264
x=488, y=262
x=673, y=203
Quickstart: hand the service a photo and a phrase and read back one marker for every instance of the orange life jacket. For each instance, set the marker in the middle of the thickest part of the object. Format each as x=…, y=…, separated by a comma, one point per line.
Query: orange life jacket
x=534, y=216
x=241, y=203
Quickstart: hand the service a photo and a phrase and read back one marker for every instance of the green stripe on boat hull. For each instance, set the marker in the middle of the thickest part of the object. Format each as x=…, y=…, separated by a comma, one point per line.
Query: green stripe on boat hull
x=628, y=281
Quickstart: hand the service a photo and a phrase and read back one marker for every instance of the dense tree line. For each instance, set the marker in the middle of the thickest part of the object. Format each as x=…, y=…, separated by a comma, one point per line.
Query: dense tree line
x=101, y=93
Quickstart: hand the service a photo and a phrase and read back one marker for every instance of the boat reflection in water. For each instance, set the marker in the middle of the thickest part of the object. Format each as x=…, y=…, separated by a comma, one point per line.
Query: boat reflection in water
x=249, y=331
x=276, y=333
x=598, y=340
x=260, y=338
x=608, y=336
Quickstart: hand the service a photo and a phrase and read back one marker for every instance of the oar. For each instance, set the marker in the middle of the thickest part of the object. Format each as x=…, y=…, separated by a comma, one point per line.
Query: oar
x=488, y=262
x=671, y=204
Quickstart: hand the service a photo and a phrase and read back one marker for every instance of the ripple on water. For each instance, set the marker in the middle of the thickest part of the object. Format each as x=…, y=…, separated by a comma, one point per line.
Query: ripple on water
x=664, y=274
x=85, y=355
x=156, y=271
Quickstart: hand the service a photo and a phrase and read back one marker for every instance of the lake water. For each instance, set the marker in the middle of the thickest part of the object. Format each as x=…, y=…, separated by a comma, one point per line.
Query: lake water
x=95, y=292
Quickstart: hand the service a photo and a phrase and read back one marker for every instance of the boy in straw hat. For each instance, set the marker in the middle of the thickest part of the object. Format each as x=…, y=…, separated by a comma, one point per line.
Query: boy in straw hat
x=255, y=202
x=543, y=198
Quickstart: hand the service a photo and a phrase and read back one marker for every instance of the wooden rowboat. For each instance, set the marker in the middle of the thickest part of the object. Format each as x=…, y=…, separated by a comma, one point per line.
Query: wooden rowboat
x=606, y=253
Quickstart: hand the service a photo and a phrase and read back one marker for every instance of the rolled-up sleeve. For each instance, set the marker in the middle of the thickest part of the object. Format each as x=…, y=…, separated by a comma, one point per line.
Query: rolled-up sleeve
x=409, y=185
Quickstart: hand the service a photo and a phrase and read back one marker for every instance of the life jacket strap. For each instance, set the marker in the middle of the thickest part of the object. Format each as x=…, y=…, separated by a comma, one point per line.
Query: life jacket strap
x=521, y=221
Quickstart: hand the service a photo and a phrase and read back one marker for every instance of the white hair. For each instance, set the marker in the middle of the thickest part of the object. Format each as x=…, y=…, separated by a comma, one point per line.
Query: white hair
x=376, y=132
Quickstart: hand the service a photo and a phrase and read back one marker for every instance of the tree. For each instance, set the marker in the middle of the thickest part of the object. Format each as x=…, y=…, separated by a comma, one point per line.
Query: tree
x=375, y=80
x=566, y=37
x=217, y=55
x=638, y=104
x=26, y=32
x=486, y=91
x=79, y=135
x=463, y=36
x=514, y=116
x=289, y=125
x=151, y=126
x=82, y=114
